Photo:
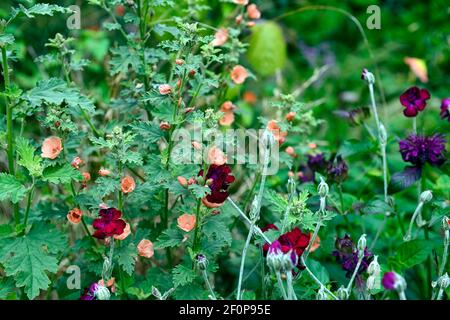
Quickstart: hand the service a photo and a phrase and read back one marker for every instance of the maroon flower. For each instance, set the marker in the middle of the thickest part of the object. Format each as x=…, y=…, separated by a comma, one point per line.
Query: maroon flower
x=218, y=179
x=421, y=149
x=445, y=109
x=389, y=280
x=346, y=254
x=337, y=169
x=109, y=224
x=268, y=227
x=294, y=240
x=414, y=100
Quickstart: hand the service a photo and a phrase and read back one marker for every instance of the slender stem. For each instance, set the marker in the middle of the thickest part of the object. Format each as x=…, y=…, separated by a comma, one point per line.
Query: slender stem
x=407, y=237
x=317, y=280
x=241, y=270
x=29, y=200
x=197, y=225
x=314, y=236
x=444, y=254
x=355, y=272
x=291, y=292
x=208, y=284
x=281, y=286
x=440, y=294
x=401, y=295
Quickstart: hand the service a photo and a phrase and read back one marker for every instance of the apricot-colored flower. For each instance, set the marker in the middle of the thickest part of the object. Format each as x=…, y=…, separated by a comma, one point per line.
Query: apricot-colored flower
x=228, y=115
x=86, y=177
x=290, y=116
x=239, y=74
x=279, y=136
x=250, y=97
x=126, y=232
x=253, y=12
x=51, y=147
x=111, y=284
x=315, y=245
x=182, y=180
x=77, y=162
x=104, y=172
x=145, y=248
x=164, y=125
x=312, y=145
x=220, y=37
x=216, y=156
x=241, y=2
x=165, y=89
x=75, y=215
x=179, y=61
x=186, y=222
x=290, y=151
x=418, y=67
x=196, y=145
x=239, y=19
x=127, y=184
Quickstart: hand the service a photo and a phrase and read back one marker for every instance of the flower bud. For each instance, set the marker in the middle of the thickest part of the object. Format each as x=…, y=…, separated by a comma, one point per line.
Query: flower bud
x=368, y=76
x=321, y=295
x=383, y=134
x=443, y=281
x=372, y=283
x=362, y=243
x=426, y=196
x=374, y=267
x=342, y=293
x=323, y=188
x=446, y=223
x=102, y=293
x=275, y=257
x=201, y=261
x=291, y=186
x=183, y=181
x=290, y=261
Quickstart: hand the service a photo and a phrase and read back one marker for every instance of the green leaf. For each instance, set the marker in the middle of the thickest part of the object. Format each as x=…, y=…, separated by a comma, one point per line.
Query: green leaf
x=267, y=48
x=28, y=159
x=319, y=271
x=218, y=230
x=413, y=252
x=182, y=275
x=149, y=131
x=6, y=39
x=354, y=147
x=199, y=191
x=169, y=238
x=104, y=186
x=28, y=259
x=56, y=91
x=406, y=178
x=376, y=206
x=61, y=174
x=40, y=9
x=11, y=188
x=126, y=257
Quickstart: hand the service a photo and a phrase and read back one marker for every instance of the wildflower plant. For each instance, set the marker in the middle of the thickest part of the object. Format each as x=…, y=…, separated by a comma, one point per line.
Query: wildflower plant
x=170, y=151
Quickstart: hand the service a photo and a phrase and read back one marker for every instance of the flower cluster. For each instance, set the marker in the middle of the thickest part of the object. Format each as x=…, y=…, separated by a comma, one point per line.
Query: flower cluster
x=346, y=254
x=419, y=150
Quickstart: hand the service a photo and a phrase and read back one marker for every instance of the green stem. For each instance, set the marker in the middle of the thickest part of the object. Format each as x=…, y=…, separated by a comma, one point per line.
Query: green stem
x=197, y=225
x=281, y=286
x=208, y=284
x=241, y=270
x=316, y=279
x=27, y=210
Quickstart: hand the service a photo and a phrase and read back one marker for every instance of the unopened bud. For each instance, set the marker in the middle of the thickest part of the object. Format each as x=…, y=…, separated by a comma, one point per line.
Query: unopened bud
x=446, y=223
x=182, y=181
x=372, y=282
x=102, y=293
x=383, y=134
x=374, y=267
x=321, y=295
x=323, y=188
x=342, y=293
x=443, y=281
x=426, y=196
x=201, y=261
x=362, y=243
x=368, y=76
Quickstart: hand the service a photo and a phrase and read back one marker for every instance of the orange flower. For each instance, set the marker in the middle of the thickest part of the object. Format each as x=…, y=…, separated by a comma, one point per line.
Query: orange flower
x=239, y=74
x=179, y=61
x=165, y=89
x=186, y=222
x=51, y=147
x=220, y=37
x=312, y=145
x=239, y=19
x=127, y=184
x=250, y=97
x=290, y=151
x=253, y=12
x=126, y=232
x=104, y=172
x=164, y=125
x=86, y=177
x=315, y=245
x=228, y=118
x=183, y=181
x=273, y=127
x=216, y=156
x=75, y=215
x=145, y=248
x=290, y=116
x=77, y=162
x=418, y=67
x=110, y=284
x=241, y=2
x=211, y=204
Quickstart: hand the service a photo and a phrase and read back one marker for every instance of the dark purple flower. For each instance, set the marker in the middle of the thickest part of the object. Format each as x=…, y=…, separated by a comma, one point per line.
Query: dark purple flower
x=389, y=280
x=337, y=169
x=220, y=178
x=317, y=162
x=421, y=149
x=306, y=174
x=414, y=100
x=109, y=224
x=346, y=254
x=445, y=109
x=89, y=293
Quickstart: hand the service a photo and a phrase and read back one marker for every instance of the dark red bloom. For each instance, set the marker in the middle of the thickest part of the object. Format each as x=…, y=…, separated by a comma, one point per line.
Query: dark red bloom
x=346, y=254
x=414, y=100
x=294, y=240
x=109, y=224
x=421, y=149
x=220, y=178
x=389, y=280
x=445, y=109
x=268, y=227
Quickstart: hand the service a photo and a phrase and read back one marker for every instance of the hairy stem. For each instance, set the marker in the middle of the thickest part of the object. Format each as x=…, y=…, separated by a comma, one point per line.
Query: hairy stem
x=208, y=284
x=244, y=254
x=281, y=285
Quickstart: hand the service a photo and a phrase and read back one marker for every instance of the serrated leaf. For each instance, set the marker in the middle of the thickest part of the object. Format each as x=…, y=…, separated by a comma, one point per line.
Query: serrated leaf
x=183, y=275
x=61, y=174
x=104, y=186
x=27, y=158
x=40, y=9
x=217, y=229
x=6, y=39
x=11, y=188
x=402, y=180
x=126, y=256
x=199, y=191
x=28, y=260
x=149, y=131
x=413, y=252
x=169, y=238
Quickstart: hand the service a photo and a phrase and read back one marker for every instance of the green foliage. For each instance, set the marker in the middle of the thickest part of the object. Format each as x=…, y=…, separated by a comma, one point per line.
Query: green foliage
x=183, y=275
x=11, y=188
x=28, y=159
x=61, y=174
x=412, y=253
